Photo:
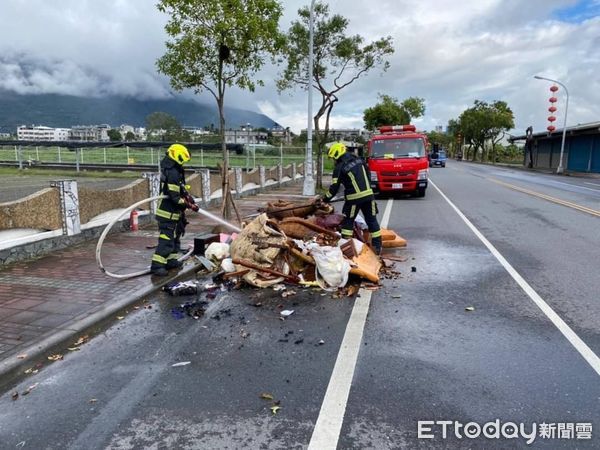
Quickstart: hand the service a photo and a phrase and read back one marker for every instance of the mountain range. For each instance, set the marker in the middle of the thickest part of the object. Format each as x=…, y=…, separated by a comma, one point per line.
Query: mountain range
x=65, y=111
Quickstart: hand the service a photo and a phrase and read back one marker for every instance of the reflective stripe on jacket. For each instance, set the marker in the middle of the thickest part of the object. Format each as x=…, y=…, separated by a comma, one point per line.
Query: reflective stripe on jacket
x=172, y=180
x=350, y=171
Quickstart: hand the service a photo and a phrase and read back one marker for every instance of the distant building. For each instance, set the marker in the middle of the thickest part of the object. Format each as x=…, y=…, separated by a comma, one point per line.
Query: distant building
x=345, y=134
x=41, y=133
x=138, y=132
x=284, y=134
x=581, y=150
x=97, y=133
x=197, y=131
x=245, y=135
x=5, y=136
x=439, y=128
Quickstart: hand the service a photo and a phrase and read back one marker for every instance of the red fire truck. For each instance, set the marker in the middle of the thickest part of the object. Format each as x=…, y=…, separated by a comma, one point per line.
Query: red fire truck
x=397, y=159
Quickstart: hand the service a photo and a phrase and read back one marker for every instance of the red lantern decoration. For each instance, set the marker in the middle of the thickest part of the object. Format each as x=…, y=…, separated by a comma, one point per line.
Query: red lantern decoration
x=551, y=128
x=551, y=119
x=554, y=88
x=552, y=99
x=552, y=109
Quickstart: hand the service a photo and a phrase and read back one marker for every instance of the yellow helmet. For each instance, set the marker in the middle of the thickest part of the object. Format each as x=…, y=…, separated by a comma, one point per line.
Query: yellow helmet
x=336, y=150
x=179, y=153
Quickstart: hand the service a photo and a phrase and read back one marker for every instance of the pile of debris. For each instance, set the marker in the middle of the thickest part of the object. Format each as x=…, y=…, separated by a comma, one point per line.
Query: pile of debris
x=298, y=244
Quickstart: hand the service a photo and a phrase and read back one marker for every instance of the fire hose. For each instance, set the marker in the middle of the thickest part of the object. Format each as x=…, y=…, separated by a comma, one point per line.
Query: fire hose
x=127, y=211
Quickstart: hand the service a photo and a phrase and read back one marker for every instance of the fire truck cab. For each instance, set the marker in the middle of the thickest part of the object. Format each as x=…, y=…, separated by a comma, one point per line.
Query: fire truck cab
x=397, y=160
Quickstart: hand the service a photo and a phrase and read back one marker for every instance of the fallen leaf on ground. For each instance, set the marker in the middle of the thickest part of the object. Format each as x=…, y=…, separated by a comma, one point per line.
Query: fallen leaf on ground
x=274, y=409
x=28, y=371
x=81, y=340
x=14, y=396
x=470, y=308
x=266, y=396
x=180, y=364
x=56, y=357
x=23, y=356
x=74, y=349
x=120, y=317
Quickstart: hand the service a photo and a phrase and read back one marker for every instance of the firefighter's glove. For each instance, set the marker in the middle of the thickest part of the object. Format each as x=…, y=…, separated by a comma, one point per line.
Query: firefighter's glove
x=192, y=205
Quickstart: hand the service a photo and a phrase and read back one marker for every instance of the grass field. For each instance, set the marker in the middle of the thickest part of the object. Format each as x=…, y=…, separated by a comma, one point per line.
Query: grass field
x=151, y=156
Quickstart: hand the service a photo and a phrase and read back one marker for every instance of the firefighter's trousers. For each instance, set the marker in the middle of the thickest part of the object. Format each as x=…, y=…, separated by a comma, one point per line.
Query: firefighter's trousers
x=368, y=207
x=165, y=251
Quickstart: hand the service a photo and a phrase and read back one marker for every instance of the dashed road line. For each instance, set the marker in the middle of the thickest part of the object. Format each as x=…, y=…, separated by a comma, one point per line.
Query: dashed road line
x=571, y=336
x=331, y=416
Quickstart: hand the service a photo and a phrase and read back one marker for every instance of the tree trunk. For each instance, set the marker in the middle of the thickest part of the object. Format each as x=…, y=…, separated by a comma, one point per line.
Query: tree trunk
x=226, y=207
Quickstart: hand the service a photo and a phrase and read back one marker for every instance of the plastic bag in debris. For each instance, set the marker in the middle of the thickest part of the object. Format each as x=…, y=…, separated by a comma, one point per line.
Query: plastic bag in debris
x=182, y=288
x=227, y=265
x=360, y=221
x=217, y=250
x=332, y=268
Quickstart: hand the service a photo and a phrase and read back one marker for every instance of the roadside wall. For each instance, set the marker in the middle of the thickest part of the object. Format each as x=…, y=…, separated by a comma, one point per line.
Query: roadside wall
x=44, y=210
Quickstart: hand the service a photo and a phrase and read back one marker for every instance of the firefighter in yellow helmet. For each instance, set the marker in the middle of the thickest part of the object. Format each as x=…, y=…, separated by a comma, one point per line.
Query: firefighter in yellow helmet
x=170, y=210
x=350, y=170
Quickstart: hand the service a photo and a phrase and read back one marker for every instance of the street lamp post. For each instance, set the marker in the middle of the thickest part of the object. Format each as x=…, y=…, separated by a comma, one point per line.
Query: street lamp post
x=560, y=168
x=309, y=181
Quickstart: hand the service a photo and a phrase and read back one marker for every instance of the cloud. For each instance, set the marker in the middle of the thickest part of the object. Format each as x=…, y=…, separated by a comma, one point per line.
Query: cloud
x=448, y=52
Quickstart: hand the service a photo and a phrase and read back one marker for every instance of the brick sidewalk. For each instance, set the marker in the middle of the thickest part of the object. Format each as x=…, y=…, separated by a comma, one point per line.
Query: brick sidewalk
x=45, y=301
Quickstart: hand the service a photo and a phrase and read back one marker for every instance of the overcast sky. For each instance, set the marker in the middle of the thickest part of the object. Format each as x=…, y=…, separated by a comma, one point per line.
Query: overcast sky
x=448, y=52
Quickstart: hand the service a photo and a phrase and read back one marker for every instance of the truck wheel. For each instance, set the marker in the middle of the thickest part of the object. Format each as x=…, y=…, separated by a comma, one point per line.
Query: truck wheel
x=421, y=192
x=443, y=165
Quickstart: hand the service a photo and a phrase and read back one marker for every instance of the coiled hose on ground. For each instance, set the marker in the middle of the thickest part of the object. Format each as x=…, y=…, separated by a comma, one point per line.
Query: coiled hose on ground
x=105, y=233
x=147, y=270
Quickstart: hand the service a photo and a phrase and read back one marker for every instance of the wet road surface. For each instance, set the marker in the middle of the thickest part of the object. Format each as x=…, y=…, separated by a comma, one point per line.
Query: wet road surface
x=423, y=355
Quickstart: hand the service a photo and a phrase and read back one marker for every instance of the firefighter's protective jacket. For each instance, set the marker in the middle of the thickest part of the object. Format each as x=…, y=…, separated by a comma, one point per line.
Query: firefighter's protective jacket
x=350, y=170
x=172, y=181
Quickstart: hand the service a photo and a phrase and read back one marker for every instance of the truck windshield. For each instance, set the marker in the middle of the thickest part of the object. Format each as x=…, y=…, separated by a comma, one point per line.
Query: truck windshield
x=398, y=148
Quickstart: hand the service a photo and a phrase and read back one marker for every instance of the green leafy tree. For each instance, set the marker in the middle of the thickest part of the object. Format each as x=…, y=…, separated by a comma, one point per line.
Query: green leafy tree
x=129, y=136
x=163, y=125
x=485, y=122
x=389, y=112
x=339, y=60
x=442, y=139
x=217, y=44
x=114, y=135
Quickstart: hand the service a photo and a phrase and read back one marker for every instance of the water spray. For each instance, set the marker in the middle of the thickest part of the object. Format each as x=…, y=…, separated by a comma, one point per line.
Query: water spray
x=147, y=270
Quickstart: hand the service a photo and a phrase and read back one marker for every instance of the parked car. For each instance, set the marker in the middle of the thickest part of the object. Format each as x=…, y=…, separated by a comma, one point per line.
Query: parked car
x=438, y=159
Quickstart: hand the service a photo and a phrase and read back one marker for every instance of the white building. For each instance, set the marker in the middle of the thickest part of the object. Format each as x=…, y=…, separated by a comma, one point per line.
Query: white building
x=41, y=133
x=90, y=133
x=245, y=135
x=345, y=134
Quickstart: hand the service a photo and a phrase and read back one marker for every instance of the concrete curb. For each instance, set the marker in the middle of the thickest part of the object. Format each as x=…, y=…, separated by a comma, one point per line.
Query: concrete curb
x=11, y=369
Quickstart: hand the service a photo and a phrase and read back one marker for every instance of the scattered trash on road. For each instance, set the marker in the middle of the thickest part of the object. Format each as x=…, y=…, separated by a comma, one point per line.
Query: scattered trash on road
x=287, y=312
x=470, y=308
x=56, y=357
x=181, y=364
x=266, y=396
x=29, y=389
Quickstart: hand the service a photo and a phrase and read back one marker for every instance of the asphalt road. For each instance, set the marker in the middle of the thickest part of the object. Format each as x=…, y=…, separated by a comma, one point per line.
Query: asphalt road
x=422, y=356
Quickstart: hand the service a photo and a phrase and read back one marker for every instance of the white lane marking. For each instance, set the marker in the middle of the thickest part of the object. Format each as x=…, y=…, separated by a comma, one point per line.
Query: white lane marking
x=565, y=329
x=591, y=184
x=576, y=185
x=331, y=416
